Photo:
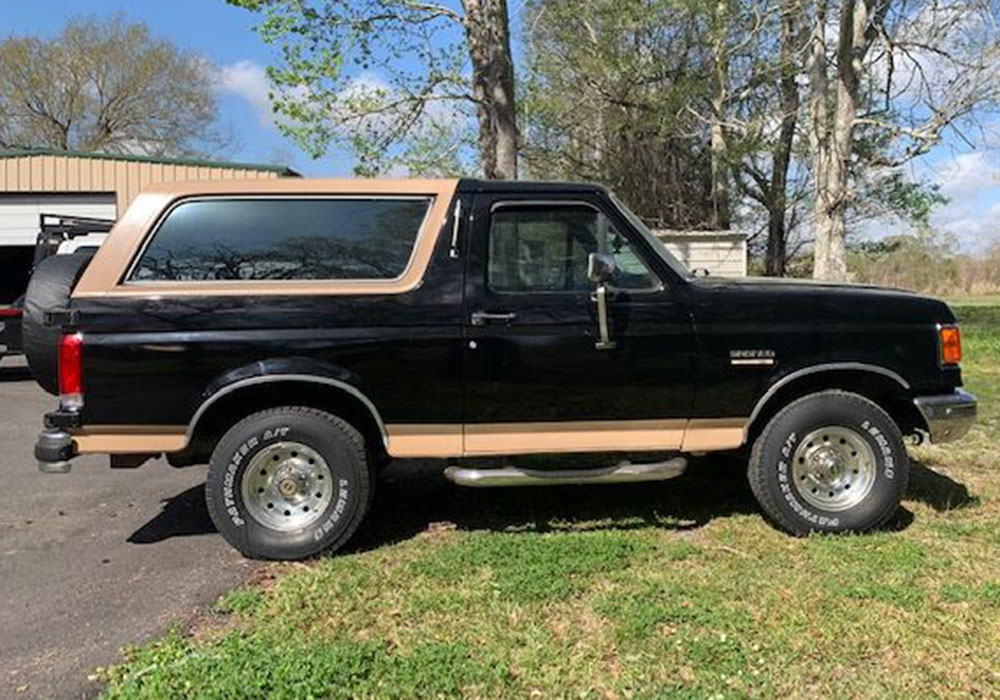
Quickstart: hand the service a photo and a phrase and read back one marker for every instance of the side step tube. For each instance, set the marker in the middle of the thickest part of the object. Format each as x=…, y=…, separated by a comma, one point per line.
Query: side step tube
x=619, y=474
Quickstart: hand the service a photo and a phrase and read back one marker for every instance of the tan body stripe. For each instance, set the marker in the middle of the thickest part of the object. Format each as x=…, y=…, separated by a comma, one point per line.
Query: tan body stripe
x=478, y=439
x=421, y=440
x=709, y=434
x=127, y=439
x=576, y=436
x=497, y=439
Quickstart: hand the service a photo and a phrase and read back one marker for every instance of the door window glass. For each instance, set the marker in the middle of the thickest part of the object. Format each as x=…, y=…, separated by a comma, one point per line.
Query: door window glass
x=545, y=249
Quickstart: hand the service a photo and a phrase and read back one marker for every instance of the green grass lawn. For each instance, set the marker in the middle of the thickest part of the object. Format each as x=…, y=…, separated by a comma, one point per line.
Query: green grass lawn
x=672, y=589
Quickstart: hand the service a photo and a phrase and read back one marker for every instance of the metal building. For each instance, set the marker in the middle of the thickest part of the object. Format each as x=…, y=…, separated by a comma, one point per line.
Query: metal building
x=97, y=185
x=721, y=253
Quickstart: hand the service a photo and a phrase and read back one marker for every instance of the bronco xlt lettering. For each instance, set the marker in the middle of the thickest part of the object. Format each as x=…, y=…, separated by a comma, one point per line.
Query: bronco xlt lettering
x=297, y=334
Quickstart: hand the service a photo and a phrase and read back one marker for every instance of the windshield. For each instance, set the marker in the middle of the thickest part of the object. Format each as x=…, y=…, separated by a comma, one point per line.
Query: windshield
x=657, y=245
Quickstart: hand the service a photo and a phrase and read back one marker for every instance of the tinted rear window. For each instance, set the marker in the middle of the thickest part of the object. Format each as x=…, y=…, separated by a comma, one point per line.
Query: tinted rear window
x=284, y=239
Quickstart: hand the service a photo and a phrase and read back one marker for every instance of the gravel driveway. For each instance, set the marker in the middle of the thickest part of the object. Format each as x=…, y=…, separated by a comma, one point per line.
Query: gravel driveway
x=94, y=559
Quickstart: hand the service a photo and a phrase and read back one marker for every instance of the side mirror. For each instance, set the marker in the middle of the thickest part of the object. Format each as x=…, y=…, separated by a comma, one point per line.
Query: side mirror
x=600, y=268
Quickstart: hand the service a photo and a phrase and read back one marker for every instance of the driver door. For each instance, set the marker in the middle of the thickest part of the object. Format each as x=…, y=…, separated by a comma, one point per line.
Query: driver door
x=537, y=377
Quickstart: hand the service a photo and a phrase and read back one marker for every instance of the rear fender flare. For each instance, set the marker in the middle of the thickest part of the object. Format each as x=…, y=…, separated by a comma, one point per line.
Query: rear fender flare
x=284, y=371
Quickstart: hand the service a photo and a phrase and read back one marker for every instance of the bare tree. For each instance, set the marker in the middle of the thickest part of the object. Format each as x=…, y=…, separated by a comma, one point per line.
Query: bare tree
x=615, y=91
x=107, y=86
x=789, y=104
x=348, y=76
x=900, y=74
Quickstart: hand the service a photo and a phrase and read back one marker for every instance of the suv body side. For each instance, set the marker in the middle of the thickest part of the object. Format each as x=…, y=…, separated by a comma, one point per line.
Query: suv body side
x=695, y=360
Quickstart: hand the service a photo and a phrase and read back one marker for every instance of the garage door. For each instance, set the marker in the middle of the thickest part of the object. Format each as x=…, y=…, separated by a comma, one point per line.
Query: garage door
x=19, y=212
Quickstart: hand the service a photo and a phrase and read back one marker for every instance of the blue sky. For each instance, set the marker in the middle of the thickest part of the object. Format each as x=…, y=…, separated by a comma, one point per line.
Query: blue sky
x=211, y=27
x=969, y=178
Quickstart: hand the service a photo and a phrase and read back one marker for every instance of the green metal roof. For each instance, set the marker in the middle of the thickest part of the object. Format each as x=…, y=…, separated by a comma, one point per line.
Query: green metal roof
x=194, y=162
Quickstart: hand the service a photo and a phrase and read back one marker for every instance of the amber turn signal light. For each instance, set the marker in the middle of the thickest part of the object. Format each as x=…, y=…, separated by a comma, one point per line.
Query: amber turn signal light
x=951, y=345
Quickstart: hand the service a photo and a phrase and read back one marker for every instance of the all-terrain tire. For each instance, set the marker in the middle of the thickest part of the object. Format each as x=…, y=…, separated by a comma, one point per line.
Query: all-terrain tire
x=320, y=437
x=50, y=287
x=839, y=424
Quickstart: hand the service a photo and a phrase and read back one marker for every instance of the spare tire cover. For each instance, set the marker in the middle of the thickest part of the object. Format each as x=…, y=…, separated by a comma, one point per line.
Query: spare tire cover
x=50, y=287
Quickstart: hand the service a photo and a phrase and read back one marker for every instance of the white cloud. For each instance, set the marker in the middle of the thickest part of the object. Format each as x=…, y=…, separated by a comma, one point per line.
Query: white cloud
x=971, y=182
x=369, y=88
x=968, y=173
x=974, y=227
x=971, y=217
x=249, y=80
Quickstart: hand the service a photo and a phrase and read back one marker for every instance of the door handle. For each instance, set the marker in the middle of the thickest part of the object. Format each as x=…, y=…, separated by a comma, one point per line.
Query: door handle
x=481, y=318
x=603, y=322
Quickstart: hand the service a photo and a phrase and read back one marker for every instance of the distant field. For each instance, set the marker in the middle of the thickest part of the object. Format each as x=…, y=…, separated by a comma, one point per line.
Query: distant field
x=976, y=300
x=676, y=589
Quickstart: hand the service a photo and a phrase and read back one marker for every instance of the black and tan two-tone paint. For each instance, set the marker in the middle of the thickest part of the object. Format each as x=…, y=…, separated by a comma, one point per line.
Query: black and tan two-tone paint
x=696, y=363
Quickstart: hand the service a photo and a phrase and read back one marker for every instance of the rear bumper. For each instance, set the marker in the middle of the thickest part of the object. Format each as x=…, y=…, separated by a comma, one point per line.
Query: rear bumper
x=948, y=416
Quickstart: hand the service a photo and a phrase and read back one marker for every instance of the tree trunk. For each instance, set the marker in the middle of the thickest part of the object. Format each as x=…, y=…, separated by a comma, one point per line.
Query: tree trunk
x=721, y=217
x=789, y=89
x=488, y=36
x=819, y=140
x=853, y=20
x=859, y=22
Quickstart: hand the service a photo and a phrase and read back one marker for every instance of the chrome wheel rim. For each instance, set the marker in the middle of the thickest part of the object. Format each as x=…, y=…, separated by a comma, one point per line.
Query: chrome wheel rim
x=834, y=468
x=287, y=486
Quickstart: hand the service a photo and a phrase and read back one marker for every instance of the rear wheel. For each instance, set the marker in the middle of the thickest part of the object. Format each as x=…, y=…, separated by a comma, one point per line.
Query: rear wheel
x=829, y=462
x=289, y=483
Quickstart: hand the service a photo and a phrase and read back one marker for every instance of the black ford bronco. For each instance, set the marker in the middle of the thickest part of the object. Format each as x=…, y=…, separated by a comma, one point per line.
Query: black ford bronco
x=297, y=334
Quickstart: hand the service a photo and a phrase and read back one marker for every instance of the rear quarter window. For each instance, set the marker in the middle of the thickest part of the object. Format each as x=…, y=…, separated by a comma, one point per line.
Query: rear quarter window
x=283, y=239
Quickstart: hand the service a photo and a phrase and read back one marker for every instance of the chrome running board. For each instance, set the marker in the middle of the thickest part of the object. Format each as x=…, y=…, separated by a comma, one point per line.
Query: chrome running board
x=514, y=476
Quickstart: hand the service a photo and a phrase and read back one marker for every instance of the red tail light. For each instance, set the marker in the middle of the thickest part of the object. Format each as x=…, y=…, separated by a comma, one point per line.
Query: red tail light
x=10, y=311
x=71, y=371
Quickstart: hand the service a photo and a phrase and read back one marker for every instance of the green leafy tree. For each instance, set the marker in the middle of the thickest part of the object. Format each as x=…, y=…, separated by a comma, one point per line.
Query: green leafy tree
x=400, y=82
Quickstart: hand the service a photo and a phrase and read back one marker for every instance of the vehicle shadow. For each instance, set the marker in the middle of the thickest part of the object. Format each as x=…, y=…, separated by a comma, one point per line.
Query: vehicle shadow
x=414, y=496
x=940, y=492
x=183, y=515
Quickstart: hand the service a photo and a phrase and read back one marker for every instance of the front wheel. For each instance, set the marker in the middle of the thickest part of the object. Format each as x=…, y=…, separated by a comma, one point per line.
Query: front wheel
x=829, y=462
x=289, y=483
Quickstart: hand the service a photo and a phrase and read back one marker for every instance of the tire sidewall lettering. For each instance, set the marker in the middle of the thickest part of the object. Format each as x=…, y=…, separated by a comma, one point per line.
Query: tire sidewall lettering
x=347, y=488
x=344, y=492
x=785, y=483
x=788, y=492
x=884, y=448
x=230, y=491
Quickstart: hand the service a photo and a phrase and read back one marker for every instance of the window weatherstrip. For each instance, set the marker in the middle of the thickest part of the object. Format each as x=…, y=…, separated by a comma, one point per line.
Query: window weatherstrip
x=127, y=280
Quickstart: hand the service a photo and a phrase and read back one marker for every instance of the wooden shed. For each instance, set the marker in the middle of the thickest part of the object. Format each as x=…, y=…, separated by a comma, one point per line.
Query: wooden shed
x=99, y=185
x=722, y=253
